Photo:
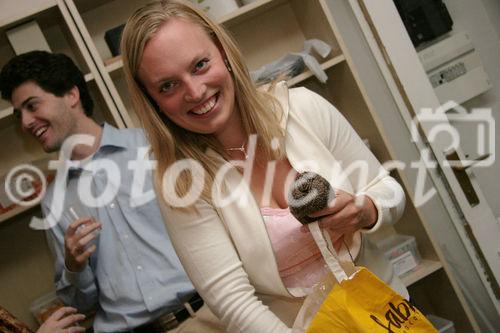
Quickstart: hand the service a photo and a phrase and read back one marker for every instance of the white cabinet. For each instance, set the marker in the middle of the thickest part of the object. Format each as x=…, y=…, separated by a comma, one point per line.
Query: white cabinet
x=265, y=30
x=465, y=235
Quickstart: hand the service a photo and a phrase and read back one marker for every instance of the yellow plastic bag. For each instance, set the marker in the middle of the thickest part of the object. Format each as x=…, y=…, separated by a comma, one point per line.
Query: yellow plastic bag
x=364, y=303
x=361, y=302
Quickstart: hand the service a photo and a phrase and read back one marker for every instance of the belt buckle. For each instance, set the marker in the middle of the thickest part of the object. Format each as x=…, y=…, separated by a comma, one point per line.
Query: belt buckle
x=167, y=321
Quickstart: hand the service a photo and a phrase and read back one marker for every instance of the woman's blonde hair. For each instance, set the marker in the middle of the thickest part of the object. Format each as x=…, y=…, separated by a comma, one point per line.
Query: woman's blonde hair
x=260, y=112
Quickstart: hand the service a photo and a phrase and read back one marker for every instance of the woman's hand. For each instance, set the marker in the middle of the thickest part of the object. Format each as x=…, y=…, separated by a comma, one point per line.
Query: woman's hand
x=347, y=214
x=62, y=321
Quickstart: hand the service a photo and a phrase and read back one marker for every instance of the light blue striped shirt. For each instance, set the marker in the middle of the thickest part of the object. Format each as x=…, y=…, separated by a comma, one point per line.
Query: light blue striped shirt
x=134, y=276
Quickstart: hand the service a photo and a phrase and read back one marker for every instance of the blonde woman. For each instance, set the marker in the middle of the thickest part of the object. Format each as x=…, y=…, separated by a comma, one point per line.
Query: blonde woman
x=228, y=216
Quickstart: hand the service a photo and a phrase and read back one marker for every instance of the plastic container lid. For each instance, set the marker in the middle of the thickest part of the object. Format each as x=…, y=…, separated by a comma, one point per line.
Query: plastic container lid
x=441, y=324
x=44, y=306
x=395, y=241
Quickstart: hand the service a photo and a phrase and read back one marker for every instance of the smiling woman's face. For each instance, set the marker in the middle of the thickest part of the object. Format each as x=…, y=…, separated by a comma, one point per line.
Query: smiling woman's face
x=184, y=72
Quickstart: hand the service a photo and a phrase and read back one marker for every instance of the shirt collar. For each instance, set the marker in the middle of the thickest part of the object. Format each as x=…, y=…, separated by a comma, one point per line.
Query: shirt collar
x=112, y=137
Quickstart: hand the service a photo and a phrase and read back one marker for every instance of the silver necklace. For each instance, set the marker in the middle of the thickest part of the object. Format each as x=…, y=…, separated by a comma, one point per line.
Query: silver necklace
x=240, y=149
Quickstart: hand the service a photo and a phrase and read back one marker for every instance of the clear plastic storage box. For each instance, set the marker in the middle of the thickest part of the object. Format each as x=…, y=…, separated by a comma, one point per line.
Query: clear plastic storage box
x=402, y=252
x=44, y=306
x=441, y=324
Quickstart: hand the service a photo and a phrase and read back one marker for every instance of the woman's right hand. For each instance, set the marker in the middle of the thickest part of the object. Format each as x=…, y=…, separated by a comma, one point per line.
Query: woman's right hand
x=63, y=321
x=347, y=214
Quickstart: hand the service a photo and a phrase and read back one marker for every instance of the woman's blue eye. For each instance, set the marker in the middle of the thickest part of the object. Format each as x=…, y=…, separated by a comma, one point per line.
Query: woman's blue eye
x=165, y=87
x=201, y=64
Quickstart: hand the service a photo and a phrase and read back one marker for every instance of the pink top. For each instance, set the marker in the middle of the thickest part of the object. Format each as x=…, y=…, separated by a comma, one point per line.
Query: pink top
x=299, y=260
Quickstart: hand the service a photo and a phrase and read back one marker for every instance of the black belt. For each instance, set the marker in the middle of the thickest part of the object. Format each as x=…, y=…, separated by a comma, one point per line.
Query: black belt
x=170, y=320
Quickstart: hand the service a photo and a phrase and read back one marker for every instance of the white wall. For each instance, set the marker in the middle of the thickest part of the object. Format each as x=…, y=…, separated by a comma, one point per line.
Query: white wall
x=493, y=9
x=481, y=20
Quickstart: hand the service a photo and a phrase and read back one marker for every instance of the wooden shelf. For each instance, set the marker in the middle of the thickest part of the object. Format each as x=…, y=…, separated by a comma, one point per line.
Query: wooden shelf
x=15, y=211
x=307, y=74
x=34, y=199
x=10, y=15
x=88, y=77
x=113, y=64
x=236, y=16
x=86, y=5
x=117, y=63
x=247, y=11
x=425, y=268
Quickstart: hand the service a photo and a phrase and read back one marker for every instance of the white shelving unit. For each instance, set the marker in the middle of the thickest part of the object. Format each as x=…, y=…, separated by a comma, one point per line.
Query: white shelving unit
x=265, y=30
x=424, y=269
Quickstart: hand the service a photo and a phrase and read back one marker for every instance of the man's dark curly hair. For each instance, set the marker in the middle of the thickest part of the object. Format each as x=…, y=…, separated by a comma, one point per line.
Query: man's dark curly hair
x=54, y=73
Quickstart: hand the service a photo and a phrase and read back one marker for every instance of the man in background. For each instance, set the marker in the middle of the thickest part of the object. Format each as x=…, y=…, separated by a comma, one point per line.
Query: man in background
x=116, y=257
